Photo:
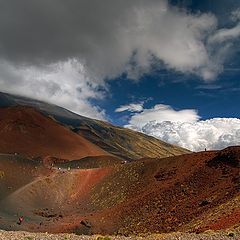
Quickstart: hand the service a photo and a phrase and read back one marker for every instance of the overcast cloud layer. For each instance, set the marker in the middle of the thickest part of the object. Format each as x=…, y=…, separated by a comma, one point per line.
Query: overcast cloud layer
x=183, y=128
x=105, y=38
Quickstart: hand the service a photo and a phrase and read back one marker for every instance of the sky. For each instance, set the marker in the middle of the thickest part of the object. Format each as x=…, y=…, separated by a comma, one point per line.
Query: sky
x=169, y=69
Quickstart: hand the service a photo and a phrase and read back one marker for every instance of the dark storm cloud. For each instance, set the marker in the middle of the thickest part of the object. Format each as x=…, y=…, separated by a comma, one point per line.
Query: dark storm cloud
x=51, y=48
x=103, y=35
x=49, y=30
x=33, y=30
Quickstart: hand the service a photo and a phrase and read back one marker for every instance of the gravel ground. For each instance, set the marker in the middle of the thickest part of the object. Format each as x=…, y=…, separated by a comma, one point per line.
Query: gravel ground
x=221, y=235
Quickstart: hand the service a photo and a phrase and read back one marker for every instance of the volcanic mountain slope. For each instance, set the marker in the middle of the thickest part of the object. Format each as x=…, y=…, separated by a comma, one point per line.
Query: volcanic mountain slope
x=126, y=143
x=121, y=142
x=192, y=192
x=26, y=131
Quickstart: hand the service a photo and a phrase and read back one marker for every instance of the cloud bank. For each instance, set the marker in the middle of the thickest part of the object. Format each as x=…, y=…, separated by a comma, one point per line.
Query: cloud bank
x=63, y=83
x=105, y=38
x=216, y=133
x=183, y=128
x=160, y=113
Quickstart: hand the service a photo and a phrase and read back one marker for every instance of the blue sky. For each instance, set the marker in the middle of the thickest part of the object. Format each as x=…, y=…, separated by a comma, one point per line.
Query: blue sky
x=219, y=98
x=169, y=69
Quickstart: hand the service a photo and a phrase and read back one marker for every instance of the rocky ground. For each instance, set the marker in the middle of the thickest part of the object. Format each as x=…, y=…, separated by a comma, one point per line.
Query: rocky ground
x=210, y=235
x=188, y=193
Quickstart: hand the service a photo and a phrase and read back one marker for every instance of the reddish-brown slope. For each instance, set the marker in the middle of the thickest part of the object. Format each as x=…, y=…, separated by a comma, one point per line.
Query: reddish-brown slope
x=24, y=130
x=192, y=192
x=17, y=171
x=46, y=198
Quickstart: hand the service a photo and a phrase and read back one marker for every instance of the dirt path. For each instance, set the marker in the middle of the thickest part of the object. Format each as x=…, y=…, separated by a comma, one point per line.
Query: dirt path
x=221, y=235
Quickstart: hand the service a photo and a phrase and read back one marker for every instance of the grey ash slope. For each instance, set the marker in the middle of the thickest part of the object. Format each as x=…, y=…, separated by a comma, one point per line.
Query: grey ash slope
x=121, y=142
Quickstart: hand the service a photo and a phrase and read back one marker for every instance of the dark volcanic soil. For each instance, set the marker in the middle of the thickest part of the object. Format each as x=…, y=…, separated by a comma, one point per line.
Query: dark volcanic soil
x=193, y=192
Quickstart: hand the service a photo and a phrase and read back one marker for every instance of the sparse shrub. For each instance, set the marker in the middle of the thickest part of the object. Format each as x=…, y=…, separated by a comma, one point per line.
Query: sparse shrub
x=2, y=174
x=28, y=238
x=103, y=238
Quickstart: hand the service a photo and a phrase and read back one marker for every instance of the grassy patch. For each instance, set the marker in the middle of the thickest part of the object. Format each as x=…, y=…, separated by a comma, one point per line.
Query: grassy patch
x=103, y=238
x=28, y=238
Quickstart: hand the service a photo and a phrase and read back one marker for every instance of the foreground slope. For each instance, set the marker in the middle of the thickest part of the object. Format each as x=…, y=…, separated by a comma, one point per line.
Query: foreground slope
x=190, y=193
x=26, y=131
x=121, y=142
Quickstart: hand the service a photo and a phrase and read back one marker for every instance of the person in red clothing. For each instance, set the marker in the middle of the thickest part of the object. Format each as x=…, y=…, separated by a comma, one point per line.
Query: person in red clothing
x=20, y=220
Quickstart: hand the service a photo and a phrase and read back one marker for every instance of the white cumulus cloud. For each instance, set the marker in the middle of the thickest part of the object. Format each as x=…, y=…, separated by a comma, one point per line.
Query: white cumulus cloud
x=225, y=34
x=216, y=133
x=161, y=112
x=183, y=128
x=132, y=107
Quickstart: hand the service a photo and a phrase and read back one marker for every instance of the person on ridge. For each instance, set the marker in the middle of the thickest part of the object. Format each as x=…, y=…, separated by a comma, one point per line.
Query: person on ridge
x=20, y=220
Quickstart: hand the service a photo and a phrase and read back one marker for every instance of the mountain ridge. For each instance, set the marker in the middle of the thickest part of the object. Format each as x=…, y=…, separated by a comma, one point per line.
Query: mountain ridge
x=121, y=142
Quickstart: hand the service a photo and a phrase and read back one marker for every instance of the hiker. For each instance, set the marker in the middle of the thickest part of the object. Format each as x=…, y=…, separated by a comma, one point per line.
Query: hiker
x=20, y=220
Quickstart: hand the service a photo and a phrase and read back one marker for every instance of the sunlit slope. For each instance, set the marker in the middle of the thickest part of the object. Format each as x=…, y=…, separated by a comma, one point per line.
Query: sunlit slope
x=26, y=131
